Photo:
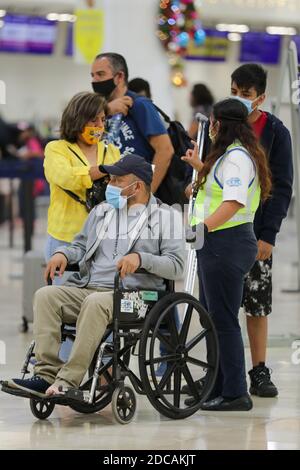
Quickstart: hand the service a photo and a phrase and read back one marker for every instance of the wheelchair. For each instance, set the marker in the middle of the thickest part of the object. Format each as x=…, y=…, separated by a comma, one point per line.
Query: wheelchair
x=143, y=326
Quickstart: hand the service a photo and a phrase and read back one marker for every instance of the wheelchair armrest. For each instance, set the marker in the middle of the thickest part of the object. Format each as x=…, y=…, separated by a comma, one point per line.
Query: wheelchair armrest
x=169, y=284
x=74, y=268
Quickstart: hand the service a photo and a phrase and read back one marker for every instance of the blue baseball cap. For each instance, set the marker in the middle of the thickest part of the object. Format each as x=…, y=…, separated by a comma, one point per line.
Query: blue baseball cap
x=130, y=164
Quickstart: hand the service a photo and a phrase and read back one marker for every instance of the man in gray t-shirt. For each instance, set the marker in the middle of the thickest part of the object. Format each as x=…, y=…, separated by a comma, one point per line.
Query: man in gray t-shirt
x=115, y=245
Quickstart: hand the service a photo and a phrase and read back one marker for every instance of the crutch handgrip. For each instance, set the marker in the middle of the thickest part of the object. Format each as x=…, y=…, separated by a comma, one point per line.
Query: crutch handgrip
x=190, y=234
x=201, y=117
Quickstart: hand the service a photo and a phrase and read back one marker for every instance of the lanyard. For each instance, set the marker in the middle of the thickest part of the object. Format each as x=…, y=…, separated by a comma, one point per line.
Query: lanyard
x=134, y=233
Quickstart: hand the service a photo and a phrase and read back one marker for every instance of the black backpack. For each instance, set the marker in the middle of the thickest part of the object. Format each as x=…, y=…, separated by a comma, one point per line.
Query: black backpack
x=171, y=190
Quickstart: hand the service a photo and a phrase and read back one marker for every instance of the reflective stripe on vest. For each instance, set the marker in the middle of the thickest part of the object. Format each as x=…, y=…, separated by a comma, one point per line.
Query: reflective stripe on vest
x=211, y=196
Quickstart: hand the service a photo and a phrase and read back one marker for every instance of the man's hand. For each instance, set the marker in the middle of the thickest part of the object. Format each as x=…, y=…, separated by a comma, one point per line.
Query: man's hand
x=57, y=262
x=128, y=264
x=120, y=105
x=264, y=250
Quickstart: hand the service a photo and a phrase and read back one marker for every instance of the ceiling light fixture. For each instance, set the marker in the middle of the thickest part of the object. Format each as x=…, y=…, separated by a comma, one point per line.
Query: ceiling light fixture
x=233, y=28
x=73, y=18
x=52, y=16
x=65, y=17
x=61, y=17
x=282, y=30
x=234, y=37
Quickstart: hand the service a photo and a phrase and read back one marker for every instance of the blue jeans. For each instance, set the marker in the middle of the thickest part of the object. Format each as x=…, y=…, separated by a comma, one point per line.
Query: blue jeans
x=162, y=347
x=51, y=245
x=226, y=257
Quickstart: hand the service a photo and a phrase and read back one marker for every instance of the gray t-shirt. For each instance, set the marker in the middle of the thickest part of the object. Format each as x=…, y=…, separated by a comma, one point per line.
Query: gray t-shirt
x=114, y=246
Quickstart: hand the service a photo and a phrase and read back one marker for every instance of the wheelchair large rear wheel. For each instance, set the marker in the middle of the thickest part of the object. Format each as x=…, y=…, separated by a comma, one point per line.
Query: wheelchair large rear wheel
x=189, y=352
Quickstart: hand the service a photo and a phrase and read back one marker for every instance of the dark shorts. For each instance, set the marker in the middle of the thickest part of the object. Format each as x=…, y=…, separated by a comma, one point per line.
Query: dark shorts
x=257, y=298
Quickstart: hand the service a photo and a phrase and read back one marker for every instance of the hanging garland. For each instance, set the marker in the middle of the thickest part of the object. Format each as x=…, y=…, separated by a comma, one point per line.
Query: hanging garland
x=178, y=25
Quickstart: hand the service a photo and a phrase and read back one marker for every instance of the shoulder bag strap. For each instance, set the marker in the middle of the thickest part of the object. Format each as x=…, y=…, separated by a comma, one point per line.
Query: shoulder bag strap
x=70, y=193
x=164, y=115
x=104, y=153
x=76, y=154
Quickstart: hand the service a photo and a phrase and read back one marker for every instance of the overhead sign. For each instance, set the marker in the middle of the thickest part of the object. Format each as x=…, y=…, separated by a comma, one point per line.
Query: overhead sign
x=215, y=48
x=27, y=34
x=88, y=34
x=260, y=47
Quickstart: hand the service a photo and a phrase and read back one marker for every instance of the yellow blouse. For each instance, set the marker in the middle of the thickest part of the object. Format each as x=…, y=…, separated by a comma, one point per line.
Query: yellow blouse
x=64, y=170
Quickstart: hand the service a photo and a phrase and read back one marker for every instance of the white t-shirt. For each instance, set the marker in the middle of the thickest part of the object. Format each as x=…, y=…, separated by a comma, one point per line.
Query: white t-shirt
x=235, y=172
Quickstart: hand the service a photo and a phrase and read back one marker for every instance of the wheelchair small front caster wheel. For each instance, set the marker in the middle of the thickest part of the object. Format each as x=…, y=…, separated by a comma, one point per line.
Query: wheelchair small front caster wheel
x=41, y=409
x=123, y=404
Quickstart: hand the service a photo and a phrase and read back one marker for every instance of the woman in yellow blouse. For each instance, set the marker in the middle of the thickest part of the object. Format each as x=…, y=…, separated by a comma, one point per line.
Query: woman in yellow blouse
x=72, y=164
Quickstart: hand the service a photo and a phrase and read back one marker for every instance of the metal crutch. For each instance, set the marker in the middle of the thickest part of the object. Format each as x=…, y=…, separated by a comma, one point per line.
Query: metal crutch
x=192, y=260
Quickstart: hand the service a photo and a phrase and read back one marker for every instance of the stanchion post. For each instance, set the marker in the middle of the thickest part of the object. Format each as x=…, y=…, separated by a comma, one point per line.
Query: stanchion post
x=28, y=217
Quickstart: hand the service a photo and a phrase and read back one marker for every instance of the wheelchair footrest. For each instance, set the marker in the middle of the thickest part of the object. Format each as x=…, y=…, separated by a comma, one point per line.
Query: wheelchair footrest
x=74, y=394
x=20, y=393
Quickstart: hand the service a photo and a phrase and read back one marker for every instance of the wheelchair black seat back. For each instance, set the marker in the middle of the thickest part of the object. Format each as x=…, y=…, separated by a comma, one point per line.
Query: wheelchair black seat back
x=144, y=327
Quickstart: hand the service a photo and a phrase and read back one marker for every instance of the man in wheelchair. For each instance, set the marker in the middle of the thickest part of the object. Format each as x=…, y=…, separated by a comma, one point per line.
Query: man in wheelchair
x=131, y=230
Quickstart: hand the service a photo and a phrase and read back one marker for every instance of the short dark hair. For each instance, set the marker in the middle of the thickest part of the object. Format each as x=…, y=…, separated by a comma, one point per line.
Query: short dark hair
x=83, y=107
x=251, y=75
x=137, y=85
x=117, y=62
x=201, y=95
x=232, y=115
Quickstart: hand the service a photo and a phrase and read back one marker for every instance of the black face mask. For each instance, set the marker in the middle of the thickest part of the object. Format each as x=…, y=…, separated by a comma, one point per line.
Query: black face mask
x=104, y=88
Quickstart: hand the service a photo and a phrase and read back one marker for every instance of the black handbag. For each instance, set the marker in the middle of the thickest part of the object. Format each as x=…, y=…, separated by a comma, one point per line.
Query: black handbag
x=96, y=193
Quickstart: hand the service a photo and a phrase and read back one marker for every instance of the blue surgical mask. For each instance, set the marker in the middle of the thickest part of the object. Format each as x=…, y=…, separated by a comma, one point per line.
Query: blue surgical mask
x=248, y=103
x=114, y=197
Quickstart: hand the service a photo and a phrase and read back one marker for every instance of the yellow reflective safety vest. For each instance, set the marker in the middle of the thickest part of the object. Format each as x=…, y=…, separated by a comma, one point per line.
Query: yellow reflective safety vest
x=210, y=197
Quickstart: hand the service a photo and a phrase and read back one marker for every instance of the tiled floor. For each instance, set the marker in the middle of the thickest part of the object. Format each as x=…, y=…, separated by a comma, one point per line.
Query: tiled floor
x=272, y=424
